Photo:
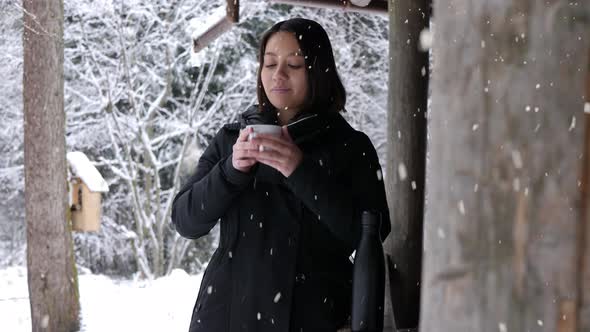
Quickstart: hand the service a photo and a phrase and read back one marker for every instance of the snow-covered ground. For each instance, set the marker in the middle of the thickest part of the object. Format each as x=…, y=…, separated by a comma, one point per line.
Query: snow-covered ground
x=164, y=304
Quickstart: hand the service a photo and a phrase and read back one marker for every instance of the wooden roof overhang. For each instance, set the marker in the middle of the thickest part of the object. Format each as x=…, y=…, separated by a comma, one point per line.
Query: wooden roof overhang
x=233, y=15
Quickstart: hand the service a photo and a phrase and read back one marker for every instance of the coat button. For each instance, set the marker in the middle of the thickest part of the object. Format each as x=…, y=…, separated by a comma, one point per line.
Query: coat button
x=299, y=278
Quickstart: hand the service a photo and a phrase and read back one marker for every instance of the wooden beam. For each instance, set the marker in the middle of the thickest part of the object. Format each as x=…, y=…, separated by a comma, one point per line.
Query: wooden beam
x=211, y=34
x=233, y=10
x=219, y=28
x=406, y=151
x=375, y=7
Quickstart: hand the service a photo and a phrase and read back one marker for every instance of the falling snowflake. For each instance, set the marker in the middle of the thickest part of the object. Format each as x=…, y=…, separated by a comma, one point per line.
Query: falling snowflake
x=516, y=159
x=425, y=39
x=516, y=184
x=209, y=289
x=572, y=124
x=379, y=175
x=402, y=172
x=45, y=322
x=277, y=297
x=461, y=207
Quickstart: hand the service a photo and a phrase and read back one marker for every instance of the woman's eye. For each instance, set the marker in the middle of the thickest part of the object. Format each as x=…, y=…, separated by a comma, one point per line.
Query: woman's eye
x=270, y=65
x=295, y=66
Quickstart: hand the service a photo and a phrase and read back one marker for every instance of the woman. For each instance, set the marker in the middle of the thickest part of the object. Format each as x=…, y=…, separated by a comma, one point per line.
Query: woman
x=289, y=206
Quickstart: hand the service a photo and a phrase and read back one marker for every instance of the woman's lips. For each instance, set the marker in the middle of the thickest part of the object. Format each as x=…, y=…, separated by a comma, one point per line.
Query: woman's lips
x=280, y=90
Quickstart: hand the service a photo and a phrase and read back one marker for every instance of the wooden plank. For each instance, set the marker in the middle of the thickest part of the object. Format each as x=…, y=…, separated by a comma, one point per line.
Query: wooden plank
x=584, y=227
x=506, y=141
x=374, y=7
x=406, y=155
x=223, y=25
x=211, y=34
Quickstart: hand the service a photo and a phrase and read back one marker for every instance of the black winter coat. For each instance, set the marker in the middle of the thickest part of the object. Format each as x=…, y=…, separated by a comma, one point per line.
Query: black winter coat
x=283, y=259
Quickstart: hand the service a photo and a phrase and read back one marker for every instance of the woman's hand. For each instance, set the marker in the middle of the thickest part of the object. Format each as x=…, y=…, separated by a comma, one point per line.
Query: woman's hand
x=279, y=153
x=244, y=152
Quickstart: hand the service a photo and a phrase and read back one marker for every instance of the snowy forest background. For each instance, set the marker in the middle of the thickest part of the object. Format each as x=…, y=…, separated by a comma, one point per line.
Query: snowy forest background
x=143, y=107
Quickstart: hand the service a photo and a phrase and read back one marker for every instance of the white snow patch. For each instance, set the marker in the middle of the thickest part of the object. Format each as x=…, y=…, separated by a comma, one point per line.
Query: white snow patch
x=164, y=304
x=83, y=168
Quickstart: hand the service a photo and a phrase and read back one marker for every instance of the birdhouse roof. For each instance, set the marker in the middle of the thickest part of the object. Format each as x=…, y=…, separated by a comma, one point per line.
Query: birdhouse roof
x=85, y=170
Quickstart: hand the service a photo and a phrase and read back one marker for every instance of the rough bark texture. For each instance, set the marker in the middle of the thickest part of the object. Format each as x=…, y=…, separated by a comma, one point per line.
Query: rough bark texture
x=505, y=167
x=50, y=261
x=406, y=155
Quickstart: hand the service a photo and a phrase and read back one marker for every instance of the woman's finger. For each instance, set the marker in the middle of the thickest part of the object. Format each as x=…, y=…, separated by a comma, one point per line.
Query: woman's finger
x=244, y=133
x=267, y=154
x=271, y=142
x=246, y=145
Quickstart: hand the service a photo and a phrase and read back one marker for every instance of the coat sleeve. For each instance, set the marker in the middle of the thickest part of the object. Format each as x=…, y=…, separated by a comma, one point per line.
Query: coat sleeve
x=209, y=193
x=338, y=200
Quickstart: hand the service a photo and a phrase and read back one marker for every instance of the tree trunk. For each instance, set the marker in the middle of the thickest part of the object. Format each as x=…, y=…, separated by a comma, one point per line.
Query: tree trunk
x=505, y=168
x=52, y=276
x=406, y=157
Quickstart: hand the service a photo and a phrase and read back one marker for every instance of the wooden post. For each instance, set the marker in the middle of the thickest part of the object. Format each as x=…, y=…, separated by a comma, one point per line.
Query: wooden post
x=406, y=156
x=505, y=166
x=584, y=226
x=52, y=279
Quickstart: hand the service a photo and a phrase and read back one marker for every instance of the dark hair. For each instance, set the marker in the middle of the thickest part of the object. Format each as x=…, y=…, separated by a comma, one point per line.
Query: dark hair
x=325, y=89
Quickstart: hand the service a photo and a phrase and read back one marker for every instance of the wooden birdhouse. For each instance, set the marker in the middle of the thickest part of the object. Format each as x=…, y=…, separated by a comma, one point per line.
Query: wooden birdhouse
x=86, y=185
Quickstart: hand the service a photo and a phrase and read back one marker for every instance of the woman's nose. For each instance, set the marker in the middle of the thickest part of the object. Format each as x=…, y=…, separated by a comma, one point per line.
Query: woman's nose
x=279, y=73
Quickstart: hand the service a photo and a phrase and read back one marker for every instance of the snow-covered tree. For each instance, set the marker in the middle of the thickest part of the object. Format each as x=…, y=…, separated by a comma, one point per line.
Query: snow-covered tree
x=133, y=93
x=143, y=108
x=12, y=226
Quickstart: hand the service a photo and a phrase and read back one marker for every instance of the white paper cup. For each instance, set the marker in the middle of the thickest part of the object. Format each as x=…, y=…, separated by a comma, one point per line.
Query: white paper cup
x=266, y=129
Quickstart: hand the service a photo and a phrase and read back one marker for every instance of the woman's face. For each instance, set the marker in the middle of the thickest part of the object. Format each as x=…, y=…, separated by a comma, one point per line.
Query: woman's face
x=283, y=73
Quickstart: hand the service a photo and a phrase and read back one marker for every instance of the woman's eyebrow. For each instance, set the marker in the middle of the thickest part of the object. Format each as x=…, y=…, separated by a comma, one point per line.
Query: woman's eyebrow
x=296, y=53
